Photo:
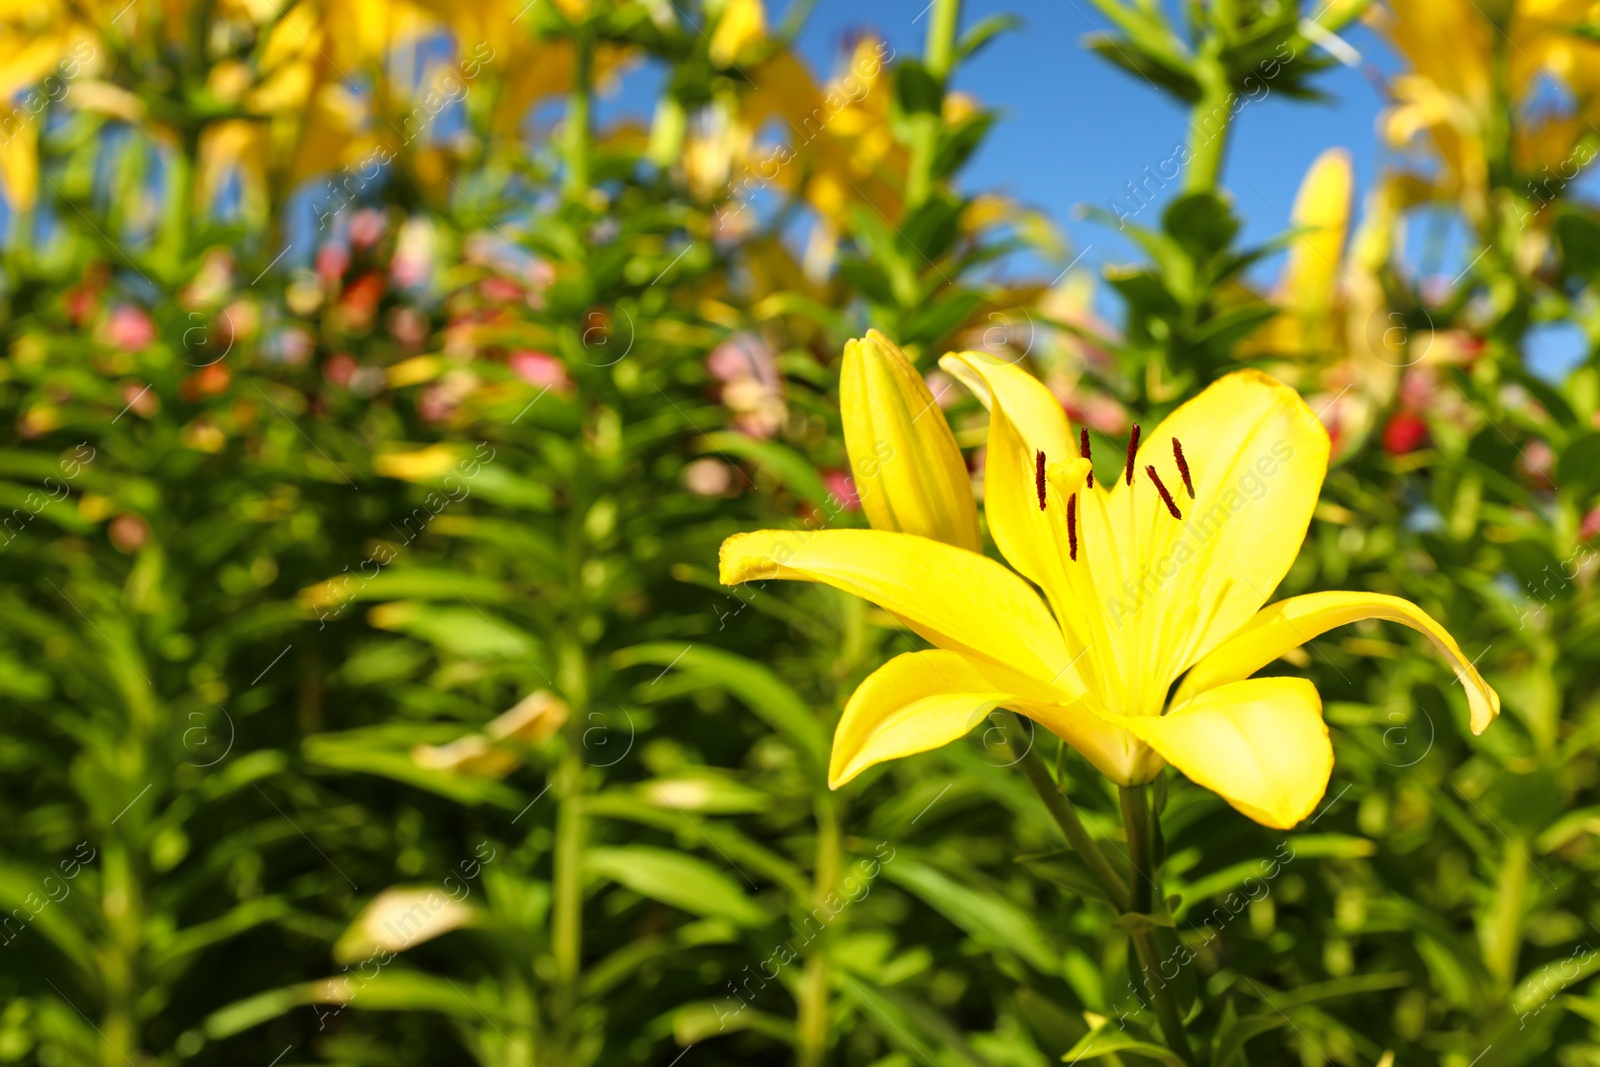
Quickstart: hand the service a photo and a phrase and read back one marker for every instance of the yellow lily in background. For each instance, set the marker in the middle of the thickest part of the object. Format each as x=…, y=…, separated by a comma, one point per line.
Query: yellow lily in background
x=1337, y=339
x=1164, y=572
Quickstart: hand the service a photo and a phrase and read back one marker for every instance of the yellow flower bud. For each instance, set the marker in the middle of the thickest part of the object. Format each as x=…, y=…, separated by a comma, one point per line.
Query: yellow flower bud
x=908, y=470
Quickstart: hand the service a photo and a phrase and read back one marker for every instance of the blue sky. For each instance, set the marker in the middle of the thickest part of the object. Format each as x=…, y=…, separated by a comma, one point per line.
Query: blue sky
x=1075, y=129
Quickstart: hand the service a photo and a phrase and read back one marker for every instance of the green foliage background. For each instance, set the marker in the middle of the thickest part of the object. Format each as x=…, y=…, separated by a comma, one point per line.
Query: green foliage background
x=268, y=537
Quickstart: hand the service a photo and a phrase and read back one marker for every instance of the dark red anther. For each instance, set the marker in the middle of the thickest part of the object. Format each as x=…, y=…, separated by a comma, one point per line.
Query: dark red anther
x=1038, y=477
x=1072, y=525
x=1183, y=466
x=1133, y=446
x=1083, y=450
x=1166, y=497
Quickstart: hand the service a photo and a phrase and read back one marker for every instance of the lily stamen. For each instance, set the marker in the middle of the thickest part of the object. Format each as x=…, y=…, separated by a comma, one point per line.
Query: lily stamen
x=1183, y=466
x=1166, y=497
x=1072, y=525
x=1038, y=477
x=1133, y=446
x=1083, y=450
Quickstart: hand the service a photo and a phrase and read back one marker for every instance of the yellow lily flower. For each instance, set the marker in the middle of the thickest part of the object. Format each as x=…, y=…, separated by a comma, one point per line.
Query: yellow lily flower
x=1161, y=574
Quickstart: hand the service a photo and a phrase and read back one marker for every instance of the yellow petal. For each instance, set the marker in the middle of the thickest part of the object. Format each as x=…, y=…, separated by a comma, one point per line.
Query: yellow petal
x=1032, y=408
x=1291, y=623
x=924, y=700
x=19, y=167
x=1260, y=744
x=1177, y=588
x=1321, y=216
x=1025, y=419
x=959, y=600
x=741, y=24
x=908, y=469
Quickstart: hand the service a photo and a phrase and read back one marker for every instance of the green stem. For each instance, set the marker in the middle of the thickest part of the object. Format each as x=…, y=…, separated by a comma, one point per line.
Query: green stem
x=941, y=41
x=812, y=1023
x=1209, y=122
x=119, y=956
x=1500, y=931
x=1172, y=1028
x=578, y=109
x=1066, y=817
x=938, y=58
x=567, y=893
x=1136, y=818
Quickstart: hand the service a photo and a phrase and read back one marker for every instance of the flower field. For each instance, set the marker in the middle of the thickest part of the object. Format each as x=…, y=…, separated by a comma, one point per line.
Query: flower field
x=495, y=572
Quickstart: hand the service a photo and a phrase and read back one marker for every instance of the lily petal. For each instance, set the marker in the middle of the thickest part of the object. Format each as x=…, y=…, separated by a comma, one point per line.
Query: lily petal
x=1321, y=219
x=957, y=599
x=1257, y=456
x=1260, y=744
x=1025, y=419
x=908, y=469
x=1032, y=408
x=920, y=701
x=1291, y=623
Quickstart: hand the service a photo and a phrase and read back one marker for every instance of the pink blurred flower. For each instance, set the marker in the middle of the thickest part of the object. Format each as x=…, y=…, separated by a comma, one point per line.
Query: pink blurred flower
x=539, y=368
x=842, y=486
x=1538, y=462
x=129, y=328
x=408, y=326
x=708, y=477
x=366, y=227
x=435, y=403
x=1590, y=528
x=744, y=355
x=753, y=388
x=499, y=289
x=339, y=368
x=943, y=387
x=128, y=532
x=333, y=259
x=140, y=399
x=540, y=277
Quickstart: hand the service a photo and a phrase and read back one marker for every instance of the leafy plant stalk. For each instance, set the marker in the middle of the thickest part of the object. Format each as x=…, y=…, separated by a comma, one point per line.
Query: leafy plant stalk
x=938, y=58
x=1210, y=118
x=1141, y=869
x=1066, y=817
x=813, y=1015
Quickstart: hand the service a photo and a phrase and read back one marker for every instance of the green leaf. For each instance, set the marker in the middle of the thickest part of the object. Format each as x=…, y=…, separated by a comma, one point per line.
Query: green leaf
x=676, y=879
x=910, y=1024
x=959, y=141
x=1068, y=871
x=757, y=687
x=1579, y=238
x=915, y=89
x=989, y=919
x=1108, y=1040
x=1202, y=223
x=1235, y=1030
x=466, y=631
x=932, y=228
x=363, y=752
x=1316, y=992
x=936, y=321
x=986, y=30
x=1579, y=465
